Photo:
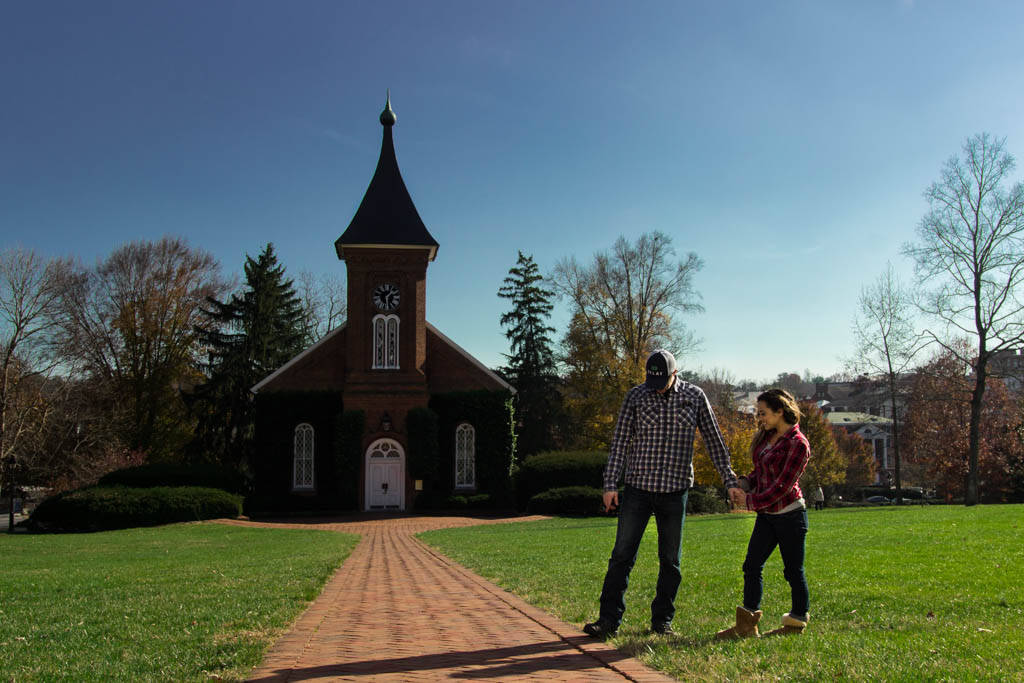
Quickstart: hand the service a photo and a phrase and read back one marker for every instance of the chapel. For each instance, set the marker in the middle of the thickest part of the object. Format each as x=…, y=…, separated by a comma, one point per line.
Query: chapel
x=385, y=412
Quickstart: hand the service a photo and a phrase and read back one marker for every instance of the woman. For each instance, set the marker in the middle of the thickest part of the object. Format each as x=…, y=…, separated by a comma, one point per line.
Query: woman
x=780, y=452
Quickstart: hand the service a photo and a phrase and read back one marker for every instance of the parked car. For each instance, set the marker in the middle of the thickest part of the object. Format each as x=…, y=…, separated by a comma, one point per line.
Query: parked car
x=879, y=500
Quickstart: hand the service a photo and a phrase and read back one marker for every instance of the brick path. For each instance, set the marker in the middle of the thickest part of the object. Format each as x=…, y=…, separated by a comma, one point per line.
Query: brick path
x=399, y=610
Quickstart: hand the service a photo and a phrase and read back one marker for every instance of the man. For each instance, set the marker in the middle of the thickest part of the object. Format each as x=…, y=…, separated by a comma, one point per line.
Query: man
x=653, y=446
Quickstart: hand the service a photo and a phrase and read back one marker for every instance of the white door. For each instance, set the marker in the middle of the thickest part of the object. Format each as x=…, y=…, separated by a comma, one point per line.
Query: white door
x=385, y=476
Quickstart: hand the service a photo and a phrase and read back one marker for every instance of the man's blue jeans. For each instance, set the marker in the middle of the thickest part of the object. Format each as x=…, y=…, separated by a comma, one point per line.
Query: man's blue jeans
x=635, y=509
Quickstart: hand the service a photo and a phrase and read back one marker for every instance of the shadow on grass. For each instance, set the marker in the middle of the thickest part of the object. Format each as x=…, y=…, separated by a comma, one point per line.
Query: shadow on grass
x=640, y=644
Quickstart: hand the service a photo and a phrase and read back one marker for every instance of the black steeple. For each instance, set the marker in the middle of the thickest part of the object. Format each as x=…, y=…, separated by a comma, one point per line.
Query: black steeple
x=386, y=215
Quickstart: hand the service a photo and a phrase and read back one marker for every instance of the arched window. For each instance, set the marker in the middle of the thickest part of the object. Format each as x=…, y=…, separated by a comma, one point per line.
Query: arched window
x=302, y=467
x=465, y=456
x=385, y=342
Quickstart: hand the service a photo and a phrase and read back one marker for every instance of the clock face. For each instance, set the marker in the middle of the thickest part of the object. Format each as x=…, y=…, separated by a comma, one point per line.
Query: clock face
x=385, y=296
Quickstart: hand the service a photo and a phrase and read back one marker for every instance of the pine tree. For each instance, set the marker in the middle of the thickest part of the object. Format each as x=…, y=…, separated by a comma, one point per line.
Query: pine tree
x=254, y=333
x=531, y=365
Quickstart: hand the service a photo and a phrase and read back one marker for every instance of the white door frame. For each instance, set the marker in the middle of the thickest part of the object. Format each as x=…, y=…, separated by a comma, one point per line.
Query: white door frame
x=387, y=448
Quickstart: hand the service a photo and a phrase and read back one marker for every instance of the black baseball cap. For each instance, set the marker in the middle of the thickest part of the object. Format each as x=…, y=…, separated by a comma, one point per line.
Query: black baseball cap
x=660, y=366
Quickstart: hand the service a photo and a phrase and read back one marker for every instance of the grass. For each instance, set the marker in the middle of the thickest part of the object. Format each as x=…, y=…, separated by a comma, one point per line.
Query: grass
x=181, y=602
x=908, y=593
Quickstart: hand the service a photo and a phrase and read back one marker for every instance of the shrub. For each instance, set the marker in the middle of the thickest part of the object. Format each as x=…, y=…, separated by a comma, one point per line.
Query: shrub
x=705, y=500
x=175, y=474
x=119, y=507
x=479, y=501
x=558, y=469
x=568, y=500
x=455, y=502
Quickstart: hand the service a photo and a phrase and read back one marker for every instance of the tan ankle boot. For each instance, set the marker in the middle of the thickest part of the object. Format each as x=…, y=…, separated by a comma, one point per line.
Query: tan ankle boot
x=790, y=627
x=745, y=627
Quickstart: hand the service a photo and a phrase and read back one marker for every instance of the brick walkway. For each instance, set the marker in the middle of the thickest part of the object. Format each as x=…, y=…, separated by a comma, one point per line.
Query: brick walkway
x=399, y=610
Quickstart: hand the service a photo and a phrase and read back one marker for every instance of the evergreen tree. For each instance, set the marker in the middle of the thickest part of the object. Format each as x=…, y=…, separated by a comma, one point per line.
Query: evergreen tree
x=254, y=333
x=531, y=365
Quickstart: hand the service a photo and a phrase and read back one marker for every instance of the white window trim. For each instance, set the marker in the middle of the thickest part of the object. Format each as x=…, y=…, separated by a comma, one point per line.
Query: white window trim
x=389, y=348
x=303, y=428
x=471, y=484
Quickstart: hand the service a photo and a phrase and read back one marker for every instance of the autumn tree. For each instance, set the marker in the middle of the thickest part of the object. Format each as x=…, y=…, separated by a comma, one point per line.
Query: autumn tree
x=887, y=344
x=531, y=363
x=937, y=428
x=859, y=457
x=826, y=466
x=969, y=260
x=248, y=337
x=738, y=430
x=625, y=303
x=132, y=320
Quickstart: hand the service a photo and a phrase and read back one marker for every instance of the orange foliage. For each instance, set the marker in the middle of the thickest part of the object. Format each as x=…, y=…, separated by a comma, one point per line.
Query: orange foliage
x=738, y=431
x=935, y=432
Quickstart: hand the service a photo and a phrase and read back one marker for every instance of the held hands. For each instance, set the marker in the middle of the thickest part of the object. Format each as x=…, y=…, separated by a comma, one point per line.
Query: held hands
x=737, y=497
x=611, y=500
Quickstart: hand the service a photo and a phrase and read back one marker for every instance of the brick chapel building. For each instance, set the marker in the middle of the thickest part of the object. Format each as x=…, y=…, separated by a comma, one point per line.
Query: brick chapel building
x=384, y=412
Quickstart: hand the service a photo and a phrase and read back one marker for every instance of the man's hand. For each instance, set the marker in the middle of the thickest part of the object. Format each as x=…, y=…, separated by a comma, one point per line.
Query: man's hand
x=737, y=497
x=611, y=500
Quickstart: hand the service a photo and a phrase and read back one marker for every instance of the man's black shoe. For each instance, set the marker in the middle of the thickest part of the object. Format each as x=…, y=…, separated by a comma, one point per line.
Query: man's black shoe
x=663, y=629
x=600, y=629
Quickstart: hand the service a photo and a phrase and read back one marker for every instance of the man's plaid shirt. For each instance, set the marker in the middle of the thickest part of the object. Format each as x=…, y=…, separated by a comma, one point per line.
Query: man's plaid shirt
x=653, y=440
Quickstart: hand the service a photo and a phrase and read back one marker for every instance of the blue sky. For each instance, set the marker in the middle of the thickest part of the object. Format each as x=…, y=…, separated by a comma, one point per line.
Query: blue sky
x=787, y=143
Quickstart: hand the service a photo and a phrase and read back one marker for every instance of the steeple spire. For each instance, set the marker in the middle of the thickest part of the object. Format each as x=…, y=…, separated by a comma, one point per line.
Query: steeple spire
x=387, y=117
x=387, y=216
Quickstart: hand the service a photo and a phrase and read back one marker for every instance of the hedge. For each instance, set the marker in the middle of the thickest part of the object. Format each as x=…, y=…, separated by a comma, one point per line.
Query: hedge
x=705, y=500
x=176, y=474
x=568, y=500
x=558, y=469
x=119, y=507
x=439, y=500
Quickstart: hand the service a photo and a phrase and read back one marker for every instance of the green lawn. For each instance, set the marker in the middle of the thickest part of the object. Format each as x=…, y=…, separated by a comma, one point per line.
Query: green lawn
x=178, y=602
x=910, y=593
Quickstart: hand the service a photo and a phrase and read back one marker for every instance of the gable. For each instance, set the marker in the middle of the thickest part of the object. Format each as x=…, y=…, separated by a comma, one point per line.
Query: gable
x=451, y=368
x=321, y=367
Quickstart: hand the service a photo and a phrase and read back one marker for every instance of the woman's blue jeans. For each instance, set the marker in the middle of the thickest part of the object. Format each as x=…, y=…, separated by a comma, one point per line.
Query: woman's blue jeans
x=635, y=509
x=787, y=531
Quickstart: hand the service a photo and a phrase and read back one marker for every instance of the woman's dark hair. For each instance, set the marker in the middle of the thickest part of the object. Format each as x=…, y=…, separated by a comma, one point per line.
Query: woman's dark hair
x=776, y=399
x=780, y=399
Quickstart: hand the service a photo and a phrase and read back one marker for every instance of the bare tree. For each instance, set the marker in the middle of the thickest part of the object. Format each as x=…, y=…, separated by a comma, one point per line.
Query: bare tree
x=887, y=344
x=132, y=321
x=718, y=384
x=630, y=298
x=970, y=251
x=323, y=300
x=30, y=293
x=626, y=303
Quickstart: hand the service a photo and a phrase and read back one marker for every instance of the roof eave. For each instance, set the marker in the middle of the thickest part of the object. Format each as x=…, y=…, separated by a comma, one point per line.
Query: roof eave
x=430, y=249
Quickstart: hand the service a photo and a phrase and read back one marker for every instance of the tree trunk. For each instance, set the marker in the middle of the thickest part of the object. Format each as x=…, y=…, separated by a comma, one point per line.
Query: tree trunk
x=895, y=439
x=971, y=489
x=9, y=489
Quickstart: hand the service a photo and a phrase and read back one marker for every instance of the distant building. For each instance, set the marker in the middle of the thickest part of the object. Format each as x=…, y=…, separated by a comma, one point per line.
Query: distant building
x=877, y=431
x=1008, y=365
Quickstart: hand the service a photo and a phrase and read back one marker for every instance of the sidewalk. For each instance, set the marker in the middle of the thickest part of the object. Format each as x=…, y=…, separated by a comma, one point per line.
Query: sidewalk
x=399, y=610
